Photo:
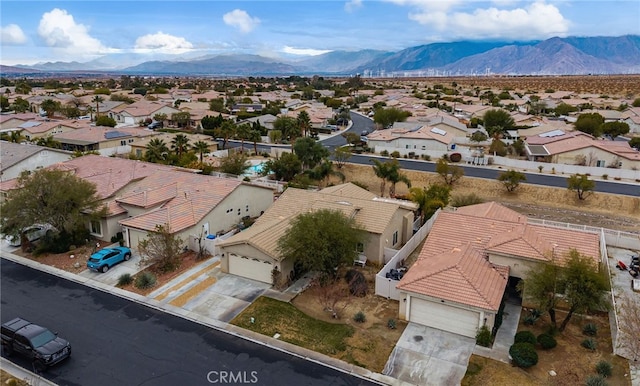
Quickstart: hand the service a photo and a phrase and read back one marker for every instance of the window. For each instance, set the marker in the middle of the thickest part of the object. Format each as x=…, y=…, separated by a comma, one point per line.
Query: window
x=123, y=143
x=395, y=238
x=138, y=153
x=406, y=146
x=424, y=147
x=96, y=228
x=601, y=163
x=360, y=247
x=247, y=208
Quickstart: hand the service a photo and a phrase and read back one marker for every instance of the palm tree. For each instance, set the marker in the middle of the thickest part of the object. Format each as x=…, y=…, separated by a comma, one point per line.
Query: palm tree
x=97, y=99
x=419, y=196
x=395, y=176
x=323, y=171
x=242, y=132
x=180, y=144
x=429, y=200
x=157, y=150
x=226, y=131
x=381, y=170
x=14, y=136
x=201, y=147
x=50, y=106
x=48, y=141
x=255, y=137
x=304, y=122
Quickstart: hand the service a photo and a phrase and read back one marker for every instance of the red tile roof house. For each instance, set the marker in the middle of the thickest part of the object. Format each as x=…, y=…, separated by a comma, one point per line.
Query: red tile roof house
x=139, y=111
x=419, y=140
x=469, y=258
x=191, y=205
x=111, y=176
x=106, y=140
x=575, y=148
x=253, y=253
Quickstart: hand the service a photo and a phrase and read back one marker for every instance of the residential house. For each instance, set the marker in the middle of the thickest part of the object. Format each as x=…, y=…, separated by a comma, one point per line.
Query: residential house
x=140, y=111
x=578, y=148
x=16, y=158
x=106, y=140
x=418, y=140
x=253, y=253
x=631, y=117
x=192, y=206
x=470, y=257
x=32, y=130
x=8, y=122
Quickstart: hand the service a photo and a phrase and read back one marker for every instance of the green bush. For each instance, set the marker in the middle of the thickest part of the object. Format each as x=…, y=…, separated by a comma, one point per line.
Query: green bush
x=483, y=337
x=525, y=337
x=523, y=355
x=395, y=154
x=384, y=153
x=547, y=341
x=590, y=344
x=391, y=323
x=360, y=317
x=145, y=280
x=125, y=279
x=530, y=320
x=590, y=329
x=596, y=380
x=604, y=368
x=465, y=199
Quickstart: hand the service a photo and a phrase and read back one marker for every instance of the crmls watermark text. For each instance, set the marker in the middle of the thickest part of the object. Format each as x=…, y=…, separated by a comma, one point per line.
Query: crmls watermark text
x=232, y=377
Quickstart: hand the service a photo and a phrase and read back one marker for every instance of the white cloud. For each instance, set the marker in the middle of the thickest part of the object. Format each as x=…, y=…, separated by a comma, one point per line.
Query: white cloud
x=303, y=51
x=241, y=20
x=352, y=5
x=59, y=30
x=429, y=5
x=12, y=34
x=535, y=21
x=162, y=42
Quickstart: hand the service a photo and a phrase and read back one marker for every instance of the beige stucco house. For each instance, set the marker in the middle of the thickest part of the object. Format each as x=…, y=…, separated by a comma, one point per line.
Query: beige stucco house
x=253, y=253
x=469, y=258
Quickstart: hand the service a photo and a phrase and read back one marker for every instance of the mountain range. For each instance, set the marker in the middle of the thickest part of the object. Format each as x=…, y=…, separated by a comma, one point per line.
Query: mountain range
x=555, y=56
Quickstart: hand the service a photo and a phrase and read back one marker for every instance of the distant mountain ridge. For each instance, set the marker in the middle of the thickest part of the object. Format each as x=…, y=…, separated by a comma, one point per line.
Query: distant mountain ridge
x=554, y=56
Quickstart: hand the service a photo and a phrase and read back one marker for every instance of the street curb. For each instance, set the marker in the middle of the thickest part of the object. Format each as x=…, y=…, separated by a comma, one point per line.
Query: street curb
x=23, y=374
x=230, y=329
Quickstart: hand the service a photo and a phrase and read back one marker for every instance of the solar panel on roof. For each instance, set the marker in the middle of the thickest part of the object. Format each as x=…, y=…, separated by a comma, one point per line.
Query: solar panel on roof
x=553, y=133
x=115, y=134
x=438, y=131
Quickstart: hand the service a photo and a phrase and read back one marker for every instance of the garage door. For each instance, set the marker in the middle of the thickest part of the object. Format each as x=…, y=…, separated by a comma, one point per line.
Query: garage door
x=444, y=317
x=250, y=268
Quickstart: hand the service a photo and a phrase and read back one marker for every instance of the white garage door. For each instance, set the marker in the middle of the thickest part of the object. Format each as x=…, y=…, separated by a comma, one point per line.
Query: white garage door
x=250, y=268
x=444, y=317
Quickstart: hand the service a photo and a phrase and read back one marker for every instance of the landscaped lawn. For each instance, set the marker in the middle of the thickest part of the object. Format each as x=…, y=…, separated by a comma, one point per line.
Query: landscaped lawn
x=273, y=316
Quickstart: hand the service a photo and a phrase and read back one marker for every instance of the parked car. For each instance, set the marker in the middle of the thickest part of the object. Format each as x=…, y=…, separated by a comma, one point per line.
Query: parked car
x=155, y=125
x=104, y=259
x=39, y=344
x=32, y=234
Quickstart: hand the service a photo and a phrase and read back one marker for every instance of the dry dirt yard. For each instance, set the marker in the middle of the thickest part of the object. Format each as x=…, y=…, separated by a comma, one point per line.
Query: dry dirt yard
x=372, y=342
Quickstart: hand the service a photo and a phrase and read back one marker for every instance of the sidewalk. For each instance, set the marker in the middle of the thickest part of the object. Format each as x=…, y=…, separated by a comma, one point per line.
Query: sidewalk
x=504, y=337
x=174, y=288
x=23, y=374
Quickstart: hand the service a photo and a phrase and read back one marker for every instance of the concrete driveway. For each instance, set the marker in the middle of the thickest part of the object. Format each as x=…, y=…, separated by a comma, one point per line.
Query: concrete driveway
x=427, y=356
x=111, y=276
x=206, y=290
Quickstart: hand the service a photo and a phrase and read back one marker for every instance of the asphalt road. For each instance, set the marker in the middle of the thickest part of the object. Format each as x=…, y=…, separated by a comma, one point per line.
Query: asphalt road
x=119, y=342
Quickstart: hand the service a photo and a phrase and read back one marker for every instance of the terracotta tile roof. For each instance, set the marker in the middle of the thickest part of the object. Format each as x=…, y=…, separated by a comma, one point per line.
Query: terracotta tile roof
x=99, y=134
x=113, y=208
x=264, y=236
x=490, y=227
x=424, y=132
x=459, y=275
x=492, y=210
x=187, y=199
x=142, y=108
x=349, y=190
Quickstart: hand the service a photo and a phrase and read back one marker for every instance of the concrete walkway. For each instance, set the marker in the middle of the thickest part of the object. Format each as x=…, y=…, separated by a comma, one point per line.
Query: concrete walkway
x=505, y=335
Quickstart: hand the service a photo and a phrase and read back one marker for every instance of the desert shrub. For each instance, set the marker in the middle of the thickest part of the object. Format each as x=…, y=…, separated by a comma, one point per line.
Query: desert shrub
x=395, y=154
x=483, y=337
x=391, y=323
x=384, y=153
x=547, y=341
x=523, y=354
x=465, y=200
x=125, y=279
x=596, y=380
x=590, y=329
x=604, y=368
x=360, y=317
x=525, y=337
x=145, y=280
x=357, y=283
x=589, y=344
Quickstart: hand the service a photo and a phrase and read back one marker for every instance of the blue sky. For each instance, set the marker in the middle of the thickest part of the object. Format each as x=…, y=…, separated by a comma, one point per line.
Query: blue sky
x=39, y=31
